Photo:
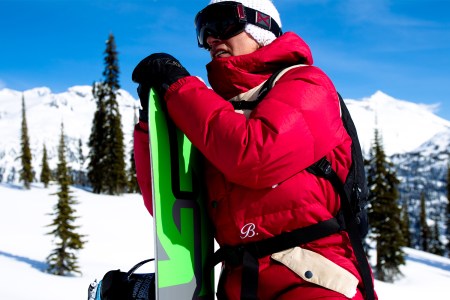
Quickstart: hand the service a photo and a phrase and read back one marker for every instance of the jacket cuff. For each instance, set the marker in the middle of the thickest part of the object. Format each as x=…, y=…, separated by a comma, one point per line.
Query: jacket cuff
x=177, y=84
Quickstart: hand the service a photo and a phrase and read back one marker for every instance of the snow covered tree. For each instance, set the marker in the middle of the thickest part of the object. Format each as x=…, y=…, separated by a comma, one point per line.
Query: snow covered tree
x=26, y=173
x=106, y=170
x=46, y=173
x=385, y=214
x=63, y=259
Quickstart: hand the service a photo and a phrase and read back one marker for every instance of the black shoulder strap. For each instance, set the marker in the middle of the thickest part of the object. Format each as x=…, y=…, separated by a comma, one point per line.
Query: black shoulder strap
x=323, y=169
x=268, y=85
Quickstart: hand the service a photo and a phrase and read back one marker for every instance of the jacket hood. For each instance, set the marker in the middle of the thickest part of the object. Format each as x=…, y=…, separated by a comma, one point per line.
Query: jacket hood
x=230, y=76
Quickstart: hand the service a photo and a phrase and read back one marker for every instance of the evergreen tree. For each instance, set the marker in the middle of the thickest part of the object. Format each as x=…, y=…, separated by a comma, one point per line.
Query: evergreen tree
x=97, y=139
x=425, y=234
x=106, y=170
x=26, y=173
x=63, y=259
x=133, y=186
x=406, y=224
x=385, y=214
x=81, y=158
x=436, y=246
x=46, y=173
x=80, y=178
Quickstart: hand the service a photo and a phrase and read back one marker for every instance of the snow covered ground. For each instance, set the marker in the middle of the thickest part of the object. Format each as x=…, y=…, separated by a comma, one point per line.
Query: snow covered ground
x=119, y=233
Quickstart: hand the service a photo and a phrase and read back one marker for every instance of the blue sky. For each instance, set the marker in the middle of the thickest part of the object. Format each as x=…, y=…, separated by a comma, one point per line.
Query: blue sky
x=400, y=47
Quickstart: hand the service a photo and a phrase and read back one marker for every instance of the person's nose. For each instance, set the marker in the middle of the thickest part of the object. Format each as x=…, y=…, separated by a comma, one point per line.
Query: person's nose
x=211, y=40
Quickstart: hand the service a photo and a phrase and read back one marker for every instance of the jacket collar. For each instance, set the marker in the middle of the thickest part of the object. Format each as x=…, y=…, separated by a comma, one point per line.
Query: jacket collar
x=230, y=76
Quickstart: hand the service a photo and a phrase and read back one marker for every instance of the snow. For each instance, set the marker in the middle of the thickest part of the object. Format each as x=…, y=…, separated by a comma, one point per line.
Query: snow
x=119, y=234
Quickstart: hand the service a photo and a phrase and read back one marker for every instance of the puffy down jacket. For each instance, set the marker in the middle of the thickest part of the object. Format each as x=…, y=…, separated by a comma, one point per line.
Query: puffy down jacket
x=257, y=183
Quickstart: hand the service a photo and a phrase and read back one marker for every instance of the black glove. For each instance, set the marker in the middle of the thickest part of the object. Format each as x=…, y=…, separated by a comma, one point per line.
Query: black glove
x=143, y=91
x=159, y=71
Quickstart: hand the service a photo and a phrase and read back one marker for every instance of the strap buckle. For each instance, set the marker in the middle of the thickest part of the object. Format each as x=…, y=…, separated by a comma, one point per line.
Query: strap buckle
x=322, y=168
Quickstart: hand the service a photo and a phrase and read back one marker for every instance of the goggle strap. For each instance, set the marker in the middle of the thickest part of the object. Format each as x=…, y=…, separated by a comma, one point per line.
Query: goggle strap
x=262, y=20
x=241, y=12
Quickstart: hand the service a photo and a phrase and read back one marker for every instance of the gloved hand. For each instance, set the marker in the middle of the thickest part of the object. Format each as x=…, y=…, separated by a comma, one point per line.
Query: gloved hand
x=143, y=91
x=159, y=71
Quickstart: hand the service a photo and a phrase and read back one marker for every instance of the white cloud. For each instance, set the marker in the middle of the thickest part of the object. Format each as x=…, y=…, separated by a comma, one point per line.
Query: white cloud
x=2, y=84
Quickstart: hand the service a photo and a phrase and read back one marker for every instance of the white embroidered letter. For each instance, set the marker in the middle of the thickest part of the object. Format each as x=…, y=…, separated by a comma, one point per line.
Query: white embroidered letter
x=248, y=230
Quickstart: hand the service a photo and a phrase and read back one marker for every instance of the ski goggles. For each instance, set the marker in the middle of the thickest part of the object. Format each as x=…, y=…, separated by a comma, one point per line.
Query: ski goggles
x=224, y=20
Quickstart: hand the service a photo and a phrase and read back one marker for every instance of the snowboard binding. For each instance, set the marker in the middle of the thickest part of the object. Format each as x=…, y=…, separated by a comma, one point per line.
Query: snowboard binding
x=117, y=285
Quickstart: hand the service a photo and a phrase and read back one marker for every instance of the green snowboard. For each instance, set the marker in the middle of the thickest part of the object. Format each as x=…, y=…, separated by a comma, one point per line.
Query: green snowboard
x=183, y=235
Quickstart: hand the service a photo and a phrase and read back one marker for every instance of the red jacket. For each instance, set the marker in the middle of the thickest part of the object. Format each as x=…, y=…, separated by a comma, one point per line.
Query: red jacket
x=257, y=183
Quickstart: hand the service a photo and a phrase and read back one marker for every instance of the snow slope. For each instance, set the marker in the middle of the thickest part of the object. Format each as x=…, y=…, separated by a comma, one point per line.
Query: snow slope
x=119, y=234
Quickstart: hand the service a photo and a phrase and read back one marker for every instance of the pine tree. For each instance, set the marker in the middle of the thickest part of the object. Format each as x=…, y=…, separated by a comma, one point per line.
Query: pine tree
x=97, y=139
x=63, y=259
x=436, y=246
x=106, y=170
x=424, y=229
x=46, y=173
x=406, y=224
x=26, y=173
x=133, y=186
x=384, y=214
x=80, y=178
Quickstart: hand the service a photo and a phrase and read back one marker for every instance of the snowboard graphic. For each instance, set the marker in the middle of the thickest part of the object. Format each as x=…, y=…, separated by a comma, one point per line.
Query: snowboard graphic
x=183, y=236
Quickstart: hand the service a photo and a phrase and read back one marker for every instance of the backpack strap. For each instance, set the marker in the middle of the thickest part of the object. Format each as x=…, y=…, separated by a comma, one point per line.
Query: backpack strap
x=248, y=254
x=268, y=85
x=250, y=99
x=323, y=169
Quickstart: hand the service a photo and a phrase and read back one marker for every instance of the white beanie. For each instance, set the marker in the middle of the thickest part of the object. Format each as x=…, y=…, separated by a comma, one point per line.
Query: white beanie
x=262, y=36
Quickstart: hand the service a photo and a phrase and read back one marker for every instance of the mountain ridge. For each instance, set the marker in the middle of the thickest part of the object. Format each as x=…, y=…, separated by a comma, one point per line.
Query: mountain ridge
x=404, y=126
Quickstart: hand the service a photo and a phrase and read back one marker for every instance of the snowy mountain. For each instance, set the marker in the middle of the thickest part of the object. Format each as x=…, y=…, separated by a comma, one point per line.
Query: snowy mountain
x=44, y=113
x=404, y=126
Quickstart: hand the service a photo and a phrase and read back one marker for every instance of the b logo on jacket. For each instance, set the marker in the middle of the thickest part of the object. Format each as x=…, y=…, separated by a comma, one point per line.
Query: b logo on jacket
x=248, y=231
